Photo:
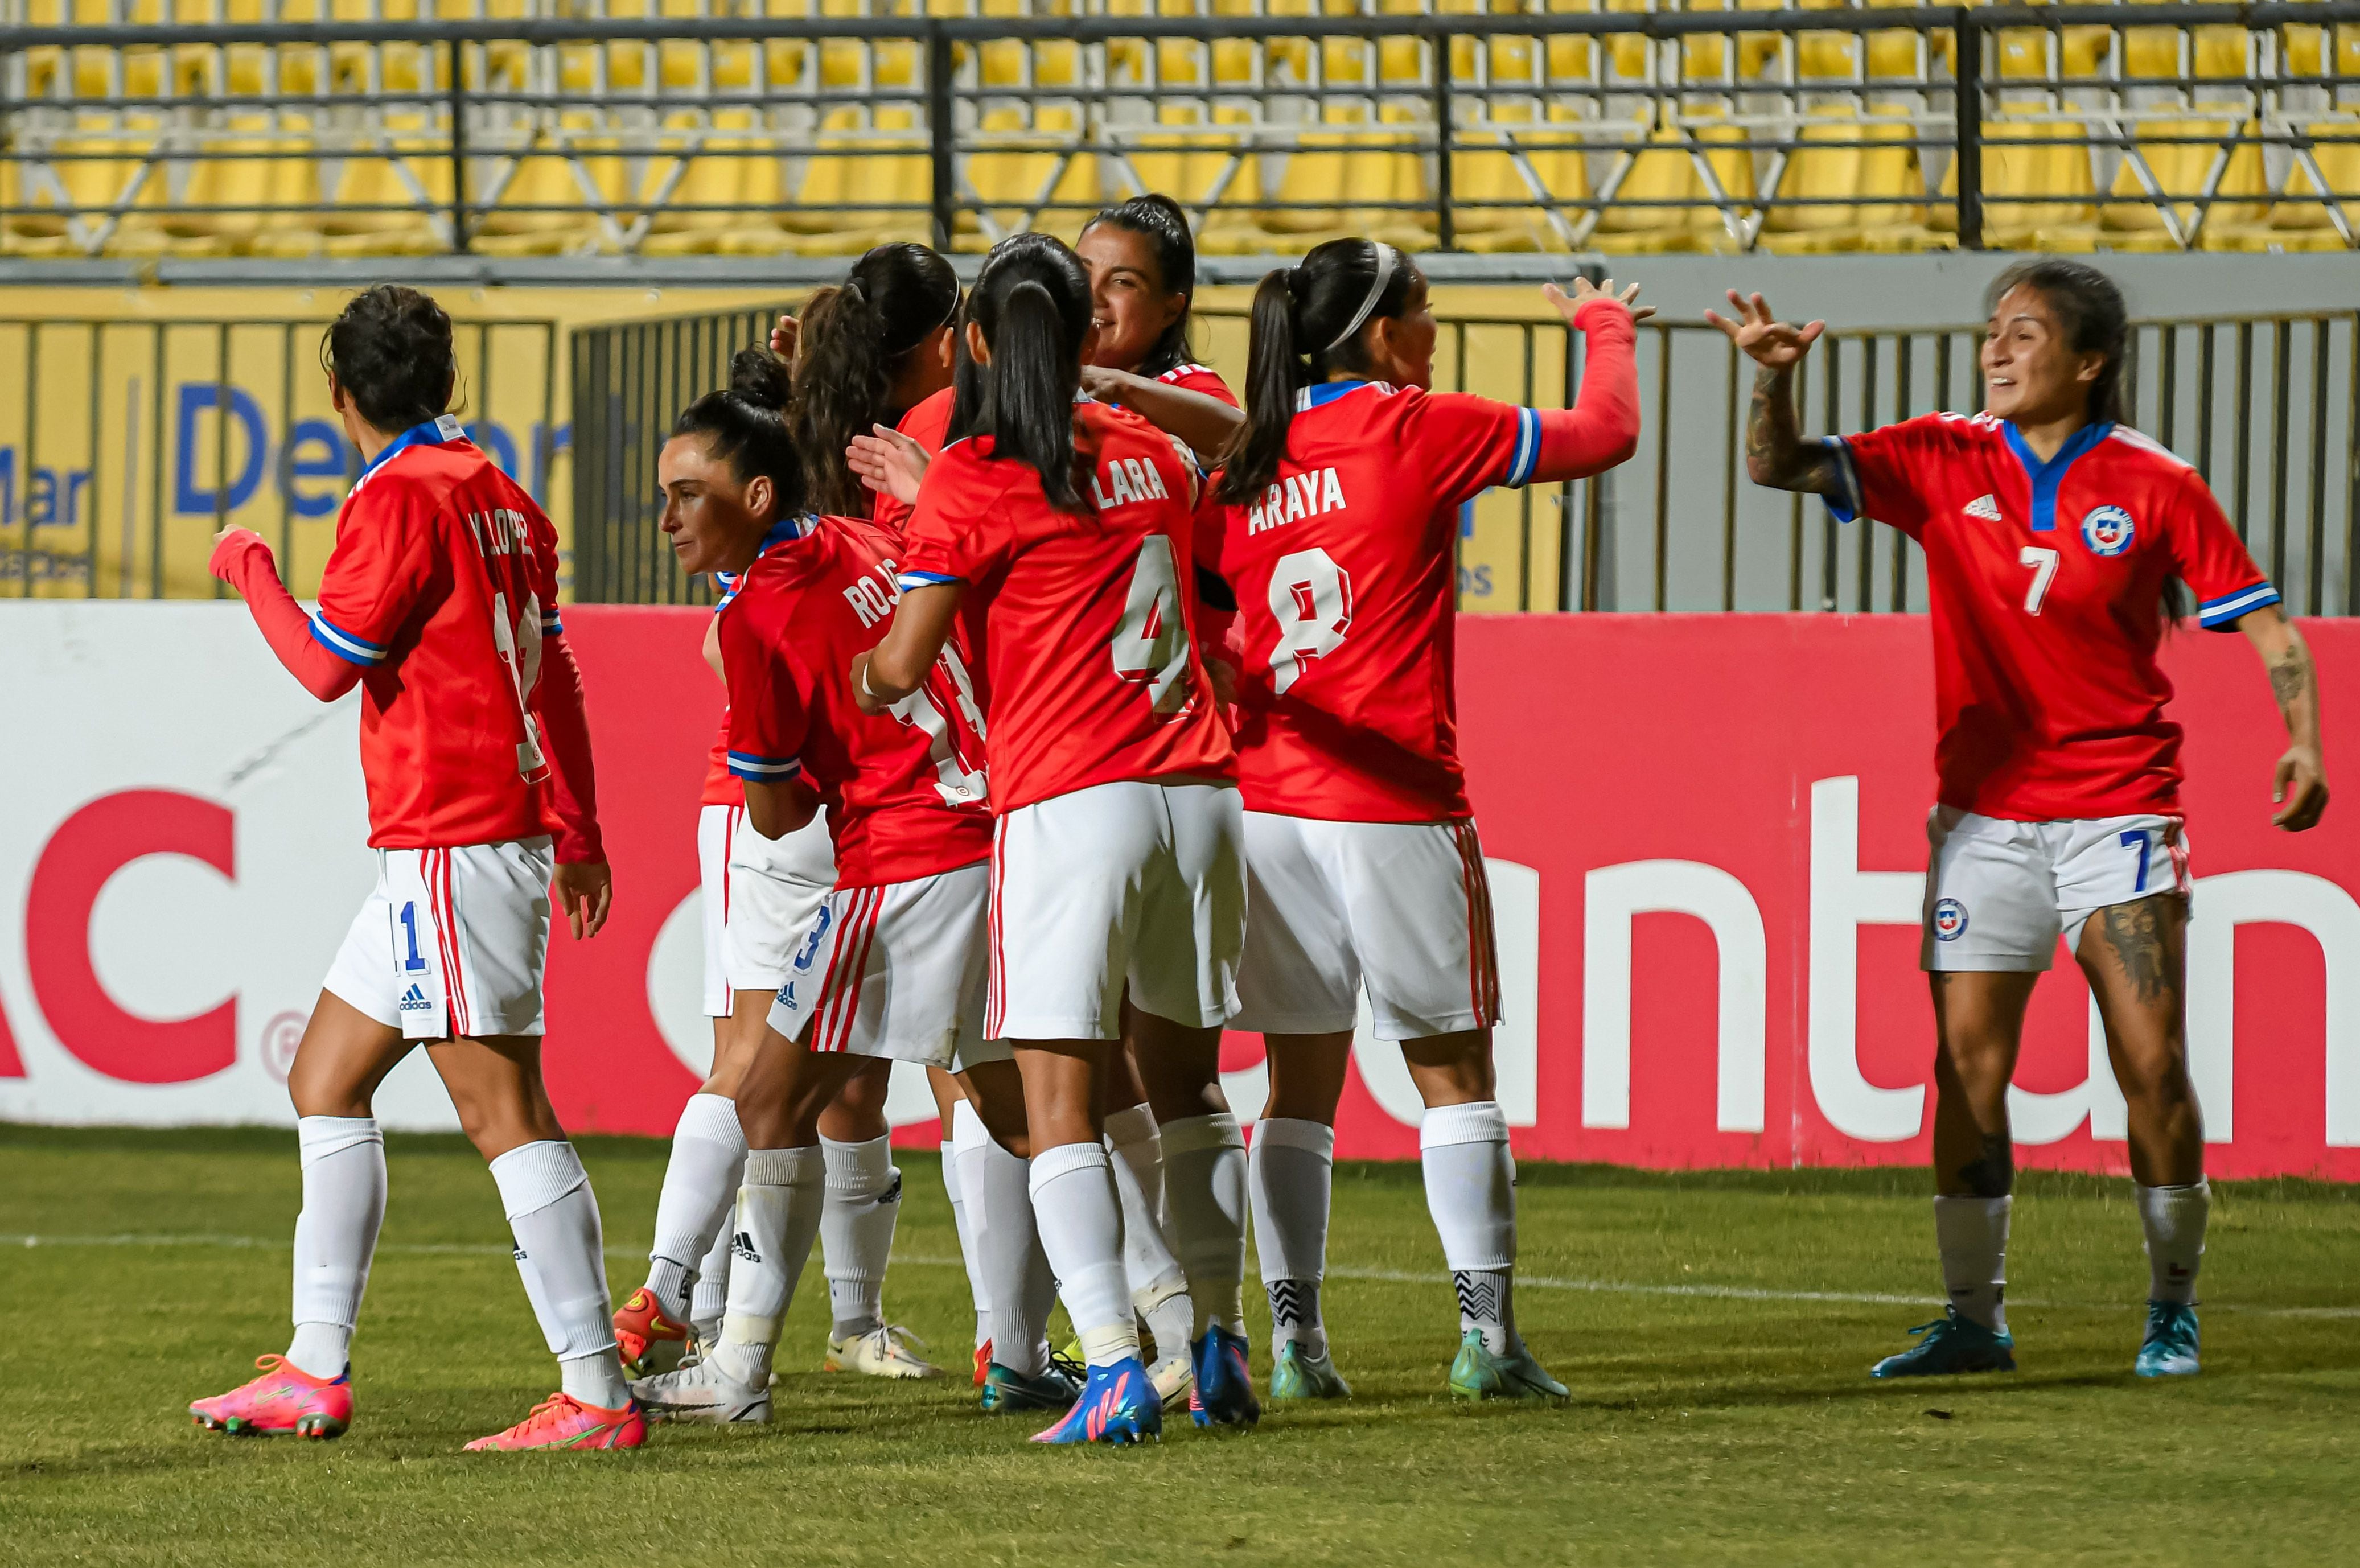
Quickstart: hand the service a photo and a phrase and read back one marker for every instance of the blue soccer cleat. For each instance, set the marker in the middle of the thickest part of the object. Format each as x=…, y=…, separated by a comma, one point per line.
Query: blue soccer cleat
x=1296, y=1374
x=2169, y=1348
x=1952, y=1344
x=1476, y=1374
x=1118, y=1405
x=1007, y=1390
x=1224, y=1393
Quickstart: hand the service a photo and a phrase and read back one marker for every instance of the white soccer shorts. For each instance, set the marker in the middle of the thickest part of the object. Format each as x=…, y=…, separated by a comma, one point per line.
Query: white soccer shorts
x=1999, y=894
x=453, y=943
x=1133, y=883
x=715, y=827
x=895, y=971
x=775, y=887
x=1402, y=907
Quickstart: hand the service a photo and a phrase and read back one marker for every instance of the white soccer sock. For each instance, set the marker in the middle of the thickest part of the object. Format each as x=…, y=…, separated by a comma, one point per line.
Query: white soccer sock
x=335, y=1236
x=1470, y=1191
x=711, y=1299
x=966, y=1131
x=779, y=1210
x=864, y=1200
x=708, y=1151
x=2174, y=1220
x=1159, y=1286
x=1204, y=1163
x=1080, y=1220
x=1294, y=1171
x=1016, y=1272
x=561, y=1255
x=1972, y=1235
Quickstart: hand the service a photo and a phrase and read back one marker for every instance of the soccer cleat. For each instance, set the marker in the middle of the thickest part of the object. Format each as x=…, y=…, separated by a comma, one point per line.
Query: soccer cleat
x=562, y=1421
x=1117, y=1406
x=1952, y=1344
x=649, y=1342
x=1007, y=1390
x=880, y=1353
x=1296, y=1374
x=1476, y=1374
x=703, y=1391
x=285, y=1401
x=1224, y=1393
x=2169, y=1348
x=1174, y=1378
x=982, y=1362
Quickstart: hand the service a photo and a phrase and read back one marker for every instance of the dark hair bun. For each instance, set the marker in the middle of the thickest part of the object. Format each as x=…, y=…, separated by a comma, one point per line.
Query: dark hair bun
x=758, y=377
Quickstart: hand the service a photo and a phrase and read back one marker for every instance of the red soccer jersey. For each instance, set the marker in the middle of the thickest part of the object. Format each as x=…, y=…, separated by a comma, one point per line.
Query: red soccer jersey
x=905, y=791
x=1346, y=596
x=442, y=585
x=2046, y=582
x=1200, y=379
x=927, y=424
x=1092, y=662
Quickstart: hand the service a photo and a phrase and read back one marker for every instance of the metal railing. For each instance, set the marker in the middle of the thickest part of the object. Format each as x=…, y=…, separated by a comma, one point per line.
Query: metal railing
x=125, y=445
x=1855, y=127
x=2267, y=407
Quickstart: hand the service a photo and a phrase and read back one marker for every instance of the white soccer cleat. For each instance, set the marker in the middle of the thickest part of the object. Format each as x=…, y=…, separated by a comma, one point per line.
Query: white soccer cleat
x=700, y=1390
x=880, y=1353
x=1172, y=1377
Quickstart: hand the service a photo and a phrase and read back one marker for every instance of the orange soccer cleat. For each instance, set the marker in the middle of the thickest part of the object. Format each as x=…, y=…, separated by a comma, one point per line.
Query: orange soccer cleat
x=562, y=1421
x=649, y=1341
x=982, y=1362
x=284, y=1400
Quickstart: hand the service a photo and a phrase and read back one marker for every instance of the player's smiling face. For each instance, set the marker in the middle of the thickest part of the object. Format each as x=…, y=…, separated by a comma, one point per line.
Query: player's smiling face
x=715, y=521
x=2032, y=373
x=1130, y=305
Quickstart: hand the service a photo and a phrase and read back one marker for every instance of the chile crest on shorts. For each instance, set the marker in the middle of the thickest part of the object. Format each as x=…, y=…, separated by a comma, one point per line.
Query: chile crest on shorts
x=1949, y=920
x=2107, y=530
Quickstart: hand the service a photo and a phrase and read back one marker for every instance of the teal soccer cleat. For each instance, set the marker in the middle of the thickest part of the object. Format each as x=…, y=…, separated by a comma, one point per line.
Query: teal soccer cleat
x=1007, y=1390
x=1952, y=1344
x=1299, y=1374
x=1476, y=1374
x=2169, y=1348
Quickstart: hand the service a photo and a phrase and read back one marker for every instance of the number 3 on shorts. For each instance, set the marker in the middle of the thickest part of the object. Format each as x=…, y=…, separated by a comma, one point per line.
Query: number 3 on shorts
x=1311, y=600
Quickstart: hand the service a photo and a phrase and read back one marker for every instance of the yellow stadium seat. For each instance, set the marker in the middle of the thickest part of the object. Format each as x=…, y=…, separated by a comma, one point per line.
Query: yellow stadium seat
x=95, y=173
x=2221, y=53
x=1869, y=162
x=2149, y=52
x=2299, y=220
x=2181, y=155
x=885, y=162
x=1827, y=57
x=2013, y=172
x=1664, y=169
x=737, y=179
x=530, y=215
x=1028, y=165
x=1894, y=54
x=1492, y=168
x=377, y=210
x=1353, y=163
x=223, y=206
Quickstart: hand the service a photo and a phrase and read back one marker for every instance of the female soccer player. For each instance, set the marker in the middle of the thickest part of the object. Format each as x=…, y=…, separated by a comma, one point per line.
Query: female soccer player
x=440, y=601
x=892, y=965
x=2053, y=534
x=1117, y=856
x=1341, y=509
x=1142, y=267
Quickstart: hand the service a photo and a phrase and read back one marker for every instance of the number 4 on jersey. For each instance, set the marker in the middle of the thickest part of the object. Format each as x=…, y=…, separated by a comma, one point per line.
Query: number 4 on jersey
x=1311, y=600
x=1150, y=643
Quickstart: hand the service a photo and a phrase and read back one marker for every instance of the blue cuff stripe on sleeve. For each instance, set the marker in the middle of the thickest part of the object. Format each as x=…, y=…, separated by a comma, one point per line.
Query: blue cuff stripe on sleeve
x=1527, y=455
x=2220, y=612
x=1848, y=507
x=343, y=644
x=766, y=769
x=924, y=578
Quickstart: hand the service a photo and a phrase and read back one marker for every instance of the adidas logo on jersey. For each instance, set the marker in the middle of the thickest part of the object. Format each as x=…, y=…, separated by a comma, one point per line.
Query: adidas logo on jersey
x=1984, y=507
x=414, y=1001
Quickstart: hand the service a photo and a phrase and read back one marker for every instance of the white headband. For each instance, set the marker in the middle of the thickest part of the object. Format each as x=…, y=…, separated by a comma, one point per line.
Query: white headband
x=1386, y=258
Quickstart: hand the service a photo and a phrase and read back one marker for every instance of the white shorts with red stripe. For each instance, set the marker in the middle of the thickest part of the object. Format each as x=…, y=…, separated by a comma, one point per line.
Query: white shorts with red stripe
x=453, y=943
x=895, y=971
x=715, y=825
x=773, y=888
x=1401, y=907
x=1136, y=884
x=2000, y=893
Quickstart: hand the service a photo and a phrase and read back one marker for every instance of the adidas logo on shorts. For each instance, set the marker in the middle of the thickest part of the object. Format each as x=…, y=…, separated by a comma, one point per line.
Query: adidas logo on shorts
x=414, y=1001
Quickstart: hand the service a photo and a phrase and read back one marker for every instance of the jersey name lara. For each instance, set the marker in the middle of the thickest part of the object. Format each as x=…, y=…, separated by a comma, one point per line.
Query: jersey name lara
x=2046, y=583
x=905, y=791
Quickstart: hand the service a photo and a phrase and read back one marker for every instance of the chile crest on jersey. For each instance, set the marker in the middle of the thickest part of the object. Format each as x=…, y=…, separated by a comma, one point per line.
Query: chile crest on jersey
x=2107, y=530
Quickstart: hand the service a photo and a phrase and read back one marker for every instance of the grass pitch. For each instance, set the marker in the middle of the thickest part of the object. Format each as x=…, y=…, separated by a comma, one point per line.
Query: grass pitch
x=1715, y=1328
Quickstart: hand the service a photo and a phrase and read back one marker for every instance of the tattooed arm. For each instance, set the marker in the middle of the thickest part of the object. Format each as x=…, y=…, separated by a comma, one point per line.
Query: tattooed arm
x=2301, y=785
x=1777, y=454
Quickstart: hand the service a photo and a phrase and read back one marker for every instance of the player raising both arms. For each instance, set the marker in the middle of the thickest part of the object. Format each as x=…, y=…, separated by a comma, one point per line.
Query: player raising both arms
x=1340, y=509
x=2053, y=535
x=440, y=601
x=893, y=964
x=1117, y=859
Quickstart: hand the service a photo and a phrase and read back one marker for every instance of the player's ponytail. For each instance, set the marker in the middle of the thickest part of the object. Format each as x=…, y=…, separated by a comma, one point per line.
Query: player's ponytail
x=1158, y=220
x=389, y=349
x=1308, y=323
x=856, y=341
x=1033, y=303
x=745, y=425
x=2096, y=319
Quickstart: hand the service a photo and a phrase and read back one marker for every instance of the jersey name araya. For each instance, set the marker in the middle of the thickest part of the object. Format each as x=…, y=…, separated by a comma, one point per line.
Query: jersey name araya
x=2046, y=583
x=1295, y=497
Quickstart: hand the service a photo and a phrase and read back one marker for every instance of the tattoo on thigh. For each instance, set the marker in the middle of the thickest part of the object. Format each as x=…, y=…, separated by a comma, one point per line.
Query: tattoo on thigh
x=1992, y=1173
x=2135, y=936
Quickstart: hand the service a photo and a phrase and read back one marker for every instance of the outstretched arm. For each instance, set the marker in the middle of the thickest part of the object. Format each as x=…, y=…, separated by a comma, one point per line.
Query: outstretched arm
x=1203, y=422
x=2301, y=784
x=1777, y=454
x=1601, y=429
x=241, y=560
x=898, y=666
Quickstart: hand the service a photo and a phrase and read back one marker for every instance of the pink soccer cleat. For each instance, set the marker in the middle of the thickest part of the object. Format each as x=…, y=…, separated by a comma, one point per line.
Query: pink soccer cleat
x=649, y=1341
x=285, y=1400
x=562, y=1421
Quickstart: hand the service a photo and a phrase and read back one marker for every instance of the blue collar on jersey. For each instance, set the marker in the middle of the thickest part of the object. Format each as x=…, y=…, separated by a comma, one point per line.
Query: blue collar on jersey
x=782, y=530
x=1311, y=397
x=433, y=432
x=2046, y=476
